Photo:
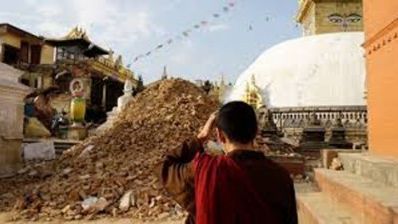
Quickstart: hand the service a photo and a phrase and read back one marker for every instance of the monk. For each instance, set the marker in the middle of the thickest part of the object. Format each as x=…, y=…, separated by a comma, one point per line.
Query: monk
x=241, y=186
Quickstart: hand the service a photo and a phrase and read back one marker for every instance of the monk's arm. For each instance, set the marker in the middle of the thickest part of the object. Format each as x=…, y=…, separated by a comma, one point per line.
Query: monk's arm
x=185, y=152
x=292, y=208
x=177, y=175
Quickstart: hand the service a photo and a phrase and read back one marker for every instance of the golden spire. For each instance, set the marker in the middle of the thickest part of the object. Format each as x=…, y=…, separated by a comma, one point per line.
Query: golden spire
x=252, y=95
x=77, y=33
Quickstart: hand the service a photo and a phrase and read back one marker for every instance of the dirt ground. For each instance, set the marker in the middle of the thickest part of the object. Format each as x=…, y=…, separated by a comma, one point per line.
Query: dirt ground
x=6, y=218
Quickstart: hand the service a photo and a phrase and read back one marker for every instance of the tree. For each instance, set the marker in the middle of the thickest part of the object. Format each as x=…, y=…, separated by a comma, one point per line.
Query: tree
x=207, y=86
x=140, y=85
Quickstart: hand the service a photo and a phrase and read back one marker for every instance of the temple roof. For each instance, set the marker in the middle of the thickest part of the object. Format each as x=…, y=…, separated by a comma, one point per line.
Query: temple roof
x=78, y=37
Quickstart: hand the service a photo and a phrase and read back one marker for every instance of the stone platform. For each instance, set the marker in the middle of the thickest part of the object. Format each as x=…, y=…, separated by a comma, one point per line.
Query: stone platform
x=381, y=170
x=365, y=192
x=317, y=208
x=295, y=165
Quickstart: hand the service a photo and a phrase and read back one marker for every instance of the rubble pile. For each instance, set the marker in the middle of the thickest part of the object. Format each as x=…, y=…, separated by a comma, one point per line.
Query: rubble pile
x=275, y=146
x=113, y=174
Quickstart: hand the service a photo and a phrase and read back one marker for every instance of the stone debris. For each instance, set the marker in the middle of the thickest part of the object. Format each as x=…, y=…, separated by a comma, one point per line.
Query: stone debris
x=125, y=201
x=275, y=146
x=86, y=151
x=112, y=174
x=86, y=204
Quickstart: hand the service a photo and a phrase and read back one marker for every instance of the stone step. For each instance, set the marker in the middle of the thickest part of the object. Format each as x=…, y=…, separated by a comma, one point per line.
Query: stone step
x=317, y=208
x=374, y=202
x=60, y=145
x=381, y=170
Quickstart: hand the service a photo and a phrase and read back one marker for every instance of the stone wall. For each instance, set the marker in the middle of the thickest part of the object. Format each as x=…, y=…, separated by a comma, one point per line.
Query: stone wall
x=11, y=130
x=10, y=157
x=47, y=55
x=381, y=25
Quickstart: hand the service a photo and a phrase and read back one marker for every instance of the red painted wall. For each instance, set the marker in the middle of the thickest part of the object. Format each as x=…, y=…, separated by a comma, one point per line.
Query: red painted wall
x=381, y=31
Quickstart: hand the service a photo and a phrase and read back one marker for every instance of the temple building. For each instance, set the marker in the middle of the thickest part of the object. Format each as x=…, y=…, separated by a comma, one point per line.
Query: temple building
x=101, y=73
x=57, y=62
x=23, y=50
x=327, y=78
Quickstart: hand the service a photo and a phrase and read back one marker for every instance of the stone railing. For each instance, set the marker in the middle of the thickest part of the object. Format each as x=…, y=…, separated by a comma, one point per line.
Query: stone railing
x=292, y=120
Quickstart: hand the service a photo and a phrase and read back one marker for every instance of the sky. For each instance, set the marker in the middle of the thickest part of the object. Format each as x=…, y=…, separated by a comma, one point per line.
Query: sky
x=225, y=46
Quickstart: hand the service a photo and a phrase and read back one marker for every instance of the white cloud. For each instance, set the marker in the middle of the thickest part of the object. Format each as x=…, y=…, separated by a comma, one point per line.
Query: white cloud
x=171, y=4
x=107, y=22
x=31, y=2
x=48, y=11
x=217, y=27
x=51, y=29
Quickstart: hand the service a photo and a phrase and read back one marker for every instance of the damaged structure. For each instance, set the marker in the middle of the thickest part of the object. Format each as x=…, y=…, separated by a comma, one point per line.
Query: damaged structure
x=67, y=62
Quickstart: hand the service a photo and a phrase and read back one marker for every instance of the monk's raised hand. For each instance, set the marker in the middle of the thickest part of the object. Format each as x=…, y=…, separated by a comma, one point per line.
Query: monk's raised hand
x=205, y=132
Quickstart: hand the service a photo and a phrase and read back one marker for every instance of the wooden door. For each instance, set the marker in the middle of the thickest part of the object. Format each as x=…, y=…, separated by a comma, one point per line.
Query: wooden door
x=35, y=54
x=24, y=52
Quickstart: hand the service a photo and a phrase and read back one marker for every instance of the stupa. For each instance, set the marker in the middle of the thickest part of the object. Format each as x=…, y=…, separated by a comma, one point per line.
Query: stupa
x=122, y=101
x=325, y=67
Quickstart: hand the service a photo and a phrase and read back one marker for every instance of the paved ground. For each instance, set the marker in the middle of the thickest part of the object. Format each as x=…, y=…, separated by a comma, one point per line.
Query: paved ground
x=5, y=218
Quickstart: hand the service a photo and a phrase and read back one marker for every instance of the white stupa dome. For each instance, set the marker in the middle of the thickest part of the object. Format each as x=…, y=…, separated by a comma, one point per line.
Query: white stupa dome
x=319, y=70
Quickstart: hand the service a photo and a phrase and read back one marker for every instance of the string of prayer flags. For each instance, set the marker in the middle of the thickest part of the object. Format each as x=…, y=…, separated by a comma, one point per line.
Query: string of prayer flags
x=187, y=32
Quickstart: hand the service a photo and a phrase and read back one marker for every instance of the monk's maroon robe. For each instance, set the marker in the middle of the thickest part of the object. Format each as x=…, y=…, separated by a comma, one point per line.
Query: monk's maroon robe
x=240, y=187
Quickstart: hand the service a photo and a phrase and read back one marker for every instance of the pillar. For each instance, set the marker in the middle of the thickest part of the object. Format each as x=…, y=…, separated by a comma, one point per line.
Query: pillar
x=11, y=119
